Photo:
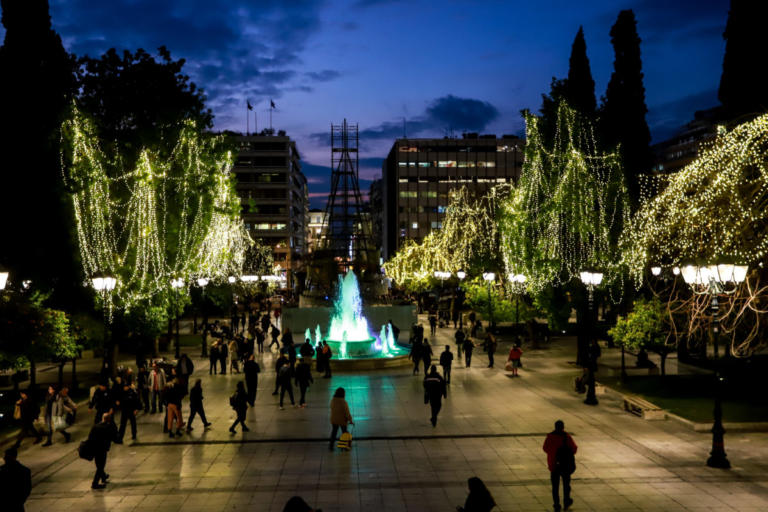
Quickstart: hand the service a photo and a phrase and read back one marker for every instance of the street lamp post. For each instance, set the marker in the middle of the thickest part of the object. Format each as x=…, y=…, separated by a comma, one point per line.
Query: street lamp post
x=590, y=280
x=202, y=282
x=518, y=286
x=176, y=284
x=104, y=284
x=3, y=277
x=489, y=278
x=712, y=280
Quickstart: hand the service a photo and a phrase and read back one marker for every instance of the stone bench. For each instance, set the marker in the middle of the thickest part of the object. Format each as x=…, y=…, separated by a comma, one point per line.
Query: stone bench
x=643, y=408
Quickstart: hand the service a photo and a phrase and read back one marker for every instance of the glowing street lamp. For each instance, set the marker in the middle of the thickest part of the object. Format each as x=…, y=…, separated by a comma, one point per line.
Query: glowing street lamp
x=104, y=284
x=590, y=280
x=518, y=287
x=715, y=280
x=202, y=282
x=490, y=277
x=461, y=275
x=3, y=277
x=177, y=284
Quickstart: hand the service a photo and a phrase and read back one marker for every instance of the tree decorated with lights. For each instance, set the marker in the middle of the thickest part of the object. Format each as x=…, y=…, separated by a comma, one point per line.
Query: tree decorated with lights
x=569, y=208
x=175, y=217
x=714, y=209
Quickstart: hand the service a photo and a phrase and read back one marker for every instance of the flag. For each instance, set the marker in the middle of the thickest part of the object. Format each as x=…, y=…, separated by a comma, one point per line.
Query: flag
x=272, y=104
x=250, y=107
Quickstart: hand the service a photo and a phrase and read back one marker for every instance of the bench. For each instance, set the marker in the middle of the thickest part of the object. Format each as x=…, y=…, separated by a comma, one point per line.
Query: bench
x=643, y=408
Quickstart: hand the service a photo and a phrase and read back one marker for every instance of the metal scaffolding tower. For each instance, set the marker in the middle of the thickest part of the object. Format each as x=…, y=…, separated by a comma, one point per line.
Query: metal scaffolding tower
x=345, y=231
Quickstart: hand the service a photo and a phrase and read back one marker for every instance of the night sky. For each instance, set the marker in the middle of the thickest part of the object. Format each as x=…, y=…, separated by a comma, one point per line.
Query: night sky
x=445, y=66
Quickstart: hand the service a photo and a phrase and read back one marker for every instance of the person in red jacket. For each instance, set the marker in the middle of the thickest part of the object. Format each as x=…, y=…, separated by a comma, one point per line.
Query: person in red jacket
x=560, y=449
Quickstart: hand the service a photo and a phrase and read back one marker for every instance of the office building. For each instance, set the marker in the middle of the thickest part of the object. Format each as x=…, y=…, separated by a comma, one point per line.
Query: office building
x=274, y=198
x=418, y=175
x=315, y=227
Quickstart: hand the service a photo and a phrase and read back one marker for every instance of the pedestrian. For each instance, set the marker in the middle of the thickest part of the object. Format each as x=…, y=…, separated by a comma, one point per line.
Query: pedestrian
x=415, y=355
x=259, y=334
x=303, y=379
x=184, y=370
x=172, y=398
x=479, y=498
x=475, y=328
x=468, y=348
x=446, y=360
x=320, y=358
x=102, y=401
x=142, y=380
x=434, y=392
x=297, y=504
x=223, y=354
x=285, y=379
x=27, y=411
x=560, y=449
x=432, y=323
x=233, y=356
x=156, y=383
x=100, y=439
x=340, y=415
x=239, y=402
x=65, y=410
x=213, y=357
x=327, y=355
x=305, y=350
x=15, y=482
x=281, y=361
x=235, y=320
x=251, y=370
x=274, y=332
x=426, y=354
x=459, y=336
x=50, y=398
x=514, y=358
x=196, y=405
x=489, y=346
x=265, y=323
x=129, y=405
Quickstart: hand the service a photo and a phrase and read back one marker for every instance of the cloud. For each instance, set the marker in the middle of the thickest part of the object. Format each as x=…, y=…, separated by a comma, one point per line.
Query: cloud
x=235, y=49
x=445, y=113
x=325, y=75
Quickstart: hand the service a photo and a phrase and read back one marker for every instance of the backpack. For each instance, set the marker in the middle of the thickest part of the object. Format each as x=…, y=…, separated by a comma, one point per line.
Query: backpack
x=565, y=462
x=233, y=400
x=85, y=450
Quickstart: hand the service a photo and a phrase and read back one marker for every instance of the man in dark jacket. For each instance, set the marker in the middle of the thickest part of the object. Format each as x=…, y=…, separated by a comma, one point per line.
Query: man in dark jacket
x=102, y=401
x=446, y=360
x=15, y=482
x=489, y=345
x=223, y=353
x=459, y=337
x=434, y=392
x=184, y=369
x=560, y=449
x=426, y=354
x=29, y=413
x=285, y=379
x=281, y=361
x=129, y=405
x=468, y=348
x=100, y=439
x=306, y=350
x=251, y=371
x=303, y=378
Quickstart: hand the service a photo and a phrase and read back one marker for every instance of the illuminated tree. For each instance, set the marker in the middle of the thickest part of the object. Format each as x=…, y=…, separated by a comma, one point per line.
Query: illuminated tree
x=569, y=207
x=162, y=218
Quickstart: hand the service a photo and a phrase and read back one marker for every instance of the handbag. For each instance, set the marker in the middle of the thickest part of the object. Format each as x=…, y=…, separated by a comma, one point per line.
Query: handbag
x=59, y=423
x=508, y=367
x=17, y=412
x=85, y=450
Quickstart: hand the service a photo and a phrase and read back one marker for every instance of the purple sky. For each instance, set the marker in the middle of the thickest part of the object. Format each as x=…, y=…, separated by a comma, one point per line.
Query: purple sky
x=442, y=65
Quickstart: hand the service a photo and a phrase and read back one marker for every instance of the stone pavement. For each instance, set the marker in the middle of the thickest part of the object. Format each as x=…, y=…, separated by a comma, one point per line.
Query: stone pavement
x=491, y=426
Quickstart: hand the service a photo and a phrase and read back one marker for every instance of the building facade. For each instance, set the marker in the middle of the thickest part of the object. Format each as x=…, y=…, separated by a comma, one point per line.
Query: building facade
x=418, y=175
x=675, y=153
x=315, y=226
x=274, y=198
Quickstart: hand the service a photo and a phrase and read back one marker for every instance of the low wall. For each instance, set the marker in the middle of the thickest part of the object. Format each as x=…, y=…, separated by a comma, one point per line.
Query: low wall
x=301, y=319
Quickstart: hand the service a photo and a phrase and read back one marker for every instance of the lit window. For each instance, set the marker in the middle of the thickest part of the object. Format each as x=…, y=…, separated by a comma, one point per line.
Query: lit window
x=317, y=231
x=403, y=180
x=408, y=193
x=415, y=225
x=423, y=164
x=402, y=164
x=430, y=193
x=437, y=225
x=446, y=163
x=441, y=209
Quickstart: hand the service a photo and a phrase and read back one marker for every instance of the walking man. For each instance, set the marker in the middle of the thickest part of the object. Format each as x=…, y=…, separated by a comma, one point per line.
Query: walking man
x=281, y=361
x=560, y=449
x=489, y=345
x=432, y=324
x=459, y=337
x=129, y=406
x=468, y=348
x=434, y=392
x=196, y=405
x=239, y=402
x=327, y=355
x=223, y=353
x=251, y=370
x=100, y=439
x=446, y=360
x=426, y=354
x=213, y=358
x=285, y=380
x=102, y=401
x=15, y=482
x=303, y=378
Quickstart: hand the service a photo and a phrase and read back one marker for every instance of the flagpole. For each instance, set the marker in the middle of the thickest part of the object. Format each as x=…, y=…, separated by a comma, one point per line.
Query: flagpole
x=247, y=120
x=255, y=121
x=270, y=115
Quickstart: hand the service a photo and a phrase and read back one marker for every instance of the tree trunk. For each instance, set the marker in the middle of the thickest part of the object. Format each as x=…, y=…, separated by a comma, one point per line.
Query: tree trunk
x=663, y=363
x=61, y=373
x=32, y=373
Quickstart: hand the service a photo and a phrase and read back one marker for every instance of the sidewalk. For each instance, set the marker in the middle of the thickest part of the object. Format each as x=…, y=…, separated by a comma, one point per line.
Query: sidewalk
x=491, y=426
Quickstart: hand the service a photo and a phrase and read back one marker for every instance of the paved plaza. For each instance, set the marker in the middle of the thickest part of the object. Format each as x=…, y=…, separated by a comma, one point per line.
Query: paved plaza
x=491, y=426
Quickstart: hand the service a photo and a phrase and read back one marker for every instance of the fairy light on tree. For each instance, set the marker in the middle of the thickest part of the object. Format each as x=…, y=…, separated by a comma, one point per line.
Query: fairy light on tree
x=166, y=217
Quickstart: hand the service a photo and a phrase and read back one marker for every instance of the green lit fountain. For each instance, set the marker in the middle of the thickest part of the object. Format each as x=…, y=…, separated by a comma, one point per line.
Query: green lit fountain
x=348, y=334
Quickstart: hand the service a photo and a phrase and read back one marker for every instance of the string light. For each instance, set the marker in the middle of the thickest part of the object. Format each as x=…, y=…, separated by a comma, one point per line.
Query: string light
x=175, y=216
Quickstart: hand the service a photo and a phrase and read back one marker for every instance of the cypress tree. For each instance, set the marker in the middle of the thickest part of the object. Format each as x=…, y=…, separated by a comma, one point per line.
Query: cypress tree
x=580, y=87
x=623, y=108
x=744, y=82
x=37, y=83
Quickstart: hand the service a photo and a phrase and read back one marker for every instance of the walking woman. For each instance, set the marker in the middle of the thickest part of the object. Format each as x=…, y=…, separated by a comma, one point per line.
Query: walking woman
x=340, y=415
x=514, y=358
x=479, y=498
x=239, y=402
